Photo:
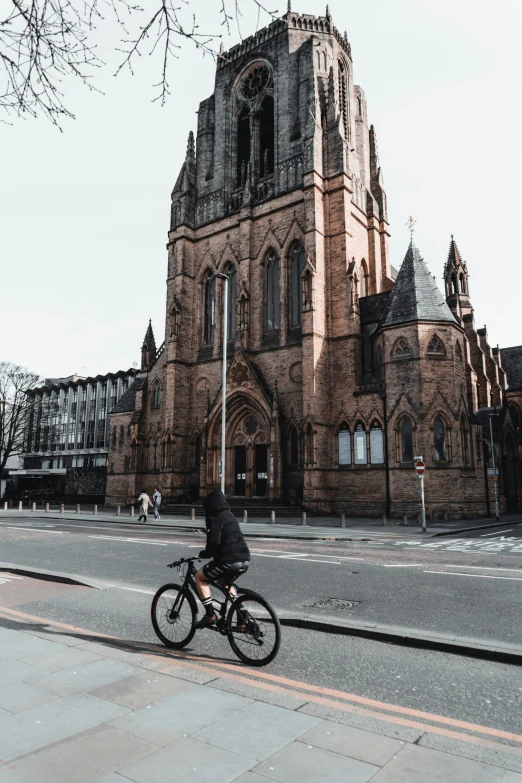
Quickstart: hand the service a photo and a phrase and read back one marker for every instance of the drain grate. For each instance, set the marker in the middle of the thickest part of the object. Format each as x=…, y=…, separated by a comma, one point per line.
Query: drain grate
x=337, y=604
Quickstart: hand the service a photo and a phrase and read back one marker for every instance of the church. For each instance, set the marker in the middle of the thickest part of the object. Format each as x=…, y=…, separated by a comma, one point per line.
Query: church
x=340, y=369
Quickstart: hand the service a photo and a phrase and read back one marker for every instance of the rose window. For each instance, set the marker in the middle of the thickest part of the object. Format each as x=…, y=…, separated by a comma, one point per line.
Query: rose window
x=256, y=81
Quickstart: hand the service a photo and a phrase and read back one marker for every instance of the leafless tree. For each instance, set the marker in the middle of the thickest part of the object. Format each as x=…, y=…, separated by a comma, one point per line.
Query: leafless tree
x=45, y=42
x=15, y=409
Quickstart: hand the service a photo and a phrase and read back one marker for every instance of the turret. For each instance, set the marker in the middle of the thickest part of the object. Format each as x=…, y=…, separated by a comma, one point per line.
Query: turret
x=148, y=349
x=456, y=284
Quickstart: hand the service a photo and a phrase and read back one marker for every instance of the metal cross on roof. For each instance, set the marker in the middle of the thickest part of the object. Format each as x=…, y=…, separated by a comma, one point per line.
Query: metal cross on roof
x=410, y=225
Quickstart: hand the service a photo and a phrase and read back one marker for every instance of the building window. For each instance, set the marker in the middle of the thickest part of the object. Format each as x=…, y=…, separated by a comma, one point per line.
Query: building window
x=436, y=346
x=359, y=445
x=458, y=351
x=266, y=136
x=209, y=308
x=126, y=463
x=114, y=437
x=376, y=444
x=293, y=446
x=464, y=435
x=122, y=434
x=243, y=146
x=343, y=97
x=272, y=292
x=439, y=440
x=406, y=440
x=231, y=306
x=100, y=439
x=156, y=394
x=296, y=272
x=401, y=348
x=344, y=445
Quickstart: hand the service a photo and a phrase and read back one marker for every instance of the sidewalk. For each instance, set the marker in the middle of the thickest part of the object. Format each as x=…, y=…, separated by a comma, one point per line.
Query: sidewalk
x=77, y=706
x=321, y=528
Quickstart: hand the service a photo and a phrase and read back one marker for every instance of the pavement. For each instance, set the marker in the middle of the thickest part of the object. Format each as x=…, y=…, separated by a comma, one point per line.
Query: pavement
x=90, y=708
x=317, y=528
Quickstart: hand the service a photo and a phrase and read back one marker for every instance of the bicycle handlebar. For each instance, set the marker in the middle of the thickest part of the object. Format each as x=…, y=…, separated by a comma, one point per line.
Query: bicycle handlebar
x=183, y=560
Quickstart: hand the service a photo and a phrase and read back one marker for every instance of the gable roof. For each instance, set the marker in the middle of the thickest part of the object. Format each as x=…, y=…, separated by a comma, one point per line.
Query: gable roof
x=127, y=401
x=512, y=364
x=415, y=296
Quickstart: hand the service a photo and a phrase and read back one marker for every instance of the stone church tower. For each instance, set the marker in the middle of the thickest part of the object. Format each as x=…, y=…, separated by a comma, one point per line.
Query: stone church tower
x=282, y=191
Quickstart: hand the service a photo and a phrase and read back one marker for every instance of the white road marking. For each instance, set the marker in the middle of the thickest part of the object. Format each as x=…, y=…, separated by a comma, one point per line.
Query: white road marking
x=480, y=568
x=34, y=529
x=132, y=540
x=308, y=560
x=4, y=575
x=405, y=565
x=477, y=576
x=133, y=589
x=497, y=532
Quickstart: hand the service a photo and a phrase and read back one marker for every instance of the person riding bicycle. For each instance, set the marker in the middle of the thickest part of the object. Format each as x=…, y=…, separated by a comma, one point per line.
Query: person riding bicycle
x=226, y=546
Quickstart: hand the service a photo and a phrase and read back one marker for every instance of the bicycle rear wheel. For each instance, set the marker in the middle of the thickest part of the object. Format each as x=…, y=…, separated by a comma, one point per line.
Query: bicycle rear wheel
x=174, y=616
x=253, y=629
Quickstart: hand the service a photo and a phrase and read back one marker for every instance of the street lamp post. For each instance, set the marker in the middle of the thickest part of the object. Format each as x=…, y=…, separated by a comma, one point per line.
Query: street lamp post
x=224, y=384
x=495, y=480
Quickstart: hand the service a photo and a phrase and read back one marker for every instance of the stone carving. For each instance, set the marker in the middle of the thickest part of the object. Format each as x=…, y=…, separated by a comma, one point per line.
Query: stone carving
x=202, y=385
x=238, y=374
x=255, y=81
x=296, y=372
x=250, y=425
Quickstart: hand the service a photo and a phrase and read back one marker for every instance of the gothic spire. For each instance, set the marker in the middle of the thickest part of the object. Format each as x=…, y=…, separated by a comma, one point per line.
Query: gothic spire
x=148, y=349
x=454, y=257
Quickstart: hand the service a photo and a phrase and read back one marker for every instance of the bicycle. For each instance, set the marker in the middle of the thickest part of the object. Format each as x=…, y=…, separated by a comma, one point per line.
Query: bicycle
x=248, y=621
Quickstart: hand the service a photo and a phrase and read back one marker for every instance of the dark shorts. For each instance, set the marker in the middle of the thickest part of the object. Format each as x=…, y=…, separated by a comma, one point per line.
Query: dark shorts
x=224, y=571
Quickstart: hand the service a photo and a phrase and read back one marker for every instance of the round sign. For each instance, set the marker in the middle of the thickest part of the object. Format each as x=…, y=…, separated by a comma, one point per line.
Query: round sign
x=420, y=468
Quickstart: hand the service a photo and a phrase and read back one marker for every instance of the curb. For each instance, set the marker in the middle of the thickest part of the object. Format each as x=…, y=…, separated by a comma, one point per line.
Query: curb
x=49, y=576
x=472, y=529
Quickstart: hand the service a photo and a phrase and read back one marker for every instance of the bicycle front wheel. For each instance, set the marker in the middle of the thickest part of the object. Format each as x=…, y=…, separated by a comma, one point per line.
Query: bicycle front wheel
x=173, y=616
x=253, y=630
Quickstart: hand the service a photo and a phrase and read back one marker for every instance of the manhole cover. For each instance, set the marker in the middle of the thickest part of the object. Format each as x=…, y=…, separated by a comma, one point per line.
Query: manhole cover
x=337, y=604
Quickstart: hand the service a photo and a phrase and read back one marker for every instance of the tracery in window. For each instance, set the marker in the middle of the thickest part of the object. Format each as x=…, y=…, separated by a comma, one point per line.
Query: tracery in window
x=402, y=348
x=436, y=346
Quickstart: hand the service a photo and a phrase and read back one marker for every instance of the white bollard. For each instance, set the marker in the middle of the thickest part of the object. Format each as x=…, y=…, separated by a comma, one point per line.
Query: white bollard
x=5, y=505
x=303, y=518
x=118, y=511
x=245, y=515
x=46, y=507
x=19, y=505
x=405, y=519
x=62, y=508
x=384, y=520
x=193, y=513
x=272, y=517
x=132, y=511
x=77, y=508
x=343, y=520
x=33, y=507
x=95, y=509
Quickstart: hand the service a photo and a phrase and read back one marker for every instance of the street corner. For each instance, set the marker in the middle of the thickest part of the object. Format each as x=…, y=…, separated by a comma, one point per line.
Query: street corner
x=17, y=590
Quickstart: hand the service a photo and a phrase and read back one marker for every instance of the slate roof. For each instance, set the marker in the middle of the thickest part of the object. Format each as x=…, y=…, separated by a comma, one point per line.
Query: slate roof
x=127, y=401
x=371, y=308
x=512, y=364
x=415, y=296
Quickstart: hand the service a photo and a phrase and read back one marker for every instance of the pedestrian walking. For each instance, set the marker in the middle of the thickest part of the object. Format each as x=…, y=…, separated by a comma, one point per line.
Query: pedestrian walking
x=144, y=502
x=156, y=503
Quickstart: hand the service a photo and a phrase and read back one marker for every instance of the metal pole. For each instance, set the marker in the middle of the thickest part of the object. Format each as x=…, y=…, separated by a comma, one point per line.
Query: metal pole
x=224, y=385
x=423, y=510
x=494, y=468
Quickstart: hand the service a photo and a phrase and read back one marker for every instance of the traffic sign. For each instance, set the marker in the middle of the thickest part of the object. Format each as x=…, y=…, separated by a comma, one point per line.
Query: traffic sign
x=420, y=468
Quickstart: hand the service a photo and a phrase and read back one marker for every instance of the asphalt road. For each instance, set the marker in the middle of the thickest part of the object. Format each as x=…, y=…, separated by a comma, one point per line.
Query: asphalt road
x=390, y=580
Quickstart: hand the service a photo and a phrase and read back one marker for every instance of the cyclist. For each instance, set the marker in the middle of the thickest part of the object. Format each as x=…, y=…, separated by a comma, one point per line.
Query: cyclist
x=226, y=546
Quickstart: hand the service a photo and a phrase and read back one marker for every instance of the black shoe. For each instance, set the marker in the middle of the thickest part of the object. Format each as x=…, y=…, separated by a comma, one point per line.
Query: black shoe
x=207, y=622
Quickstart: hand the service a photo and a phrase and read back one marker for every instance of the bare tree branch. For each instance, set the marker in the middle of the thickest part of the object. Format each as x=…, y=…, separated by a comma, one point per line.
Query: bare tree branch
x=15, y=408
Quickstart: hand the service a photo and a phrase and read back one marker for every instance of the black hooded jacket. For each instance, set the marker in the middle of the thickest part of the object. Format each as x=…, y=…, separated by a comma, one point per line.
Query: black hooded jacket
x=225, y=541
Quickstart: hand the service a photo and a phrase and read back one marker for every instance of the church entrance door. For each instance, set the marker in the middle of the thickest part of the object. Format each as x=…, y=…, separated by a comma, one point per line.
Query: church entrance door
x=240, y=471
x=261, y=472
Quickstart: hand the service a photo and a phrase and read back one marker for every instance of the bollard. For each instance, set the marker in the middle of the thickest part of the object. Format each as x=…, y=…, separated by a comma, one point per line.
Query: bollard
x=95, y=509
x=272, y=517
x=33, y=508
x=384, y=520
x=405, y=519
x=245, y=515
x=62, y=508
x=5, y=506
x=303, y=518
x=118, y=511
x=46, y=507
x=193, y=513
x=132, y=511
x=343, y=520
x=19, y=505
x=10, y=504
x=77, y=508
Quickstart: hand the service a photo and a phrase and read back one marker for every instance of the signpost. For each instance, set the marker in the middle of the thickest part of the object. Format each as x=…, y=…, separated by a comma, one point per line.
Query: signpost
x=420, y=468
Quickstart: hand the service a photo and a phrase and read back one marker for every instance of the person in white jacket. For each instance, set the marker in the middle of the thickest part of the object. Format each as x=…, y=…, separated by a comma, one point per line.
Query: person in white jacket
x=144, y=502
x=156, y=503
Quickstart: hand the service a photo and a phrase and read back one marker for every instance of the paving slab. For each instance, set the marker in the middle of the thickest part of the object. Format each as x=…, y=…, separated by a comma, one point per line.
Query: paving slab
x=16, y=671
x=413, y=764
x=288, y=701
x=512, y=777
x=112, y=778
x=20, y=696
x=298, y=763
x=86, y=677
x=64, y=658
x=26, y=645
x=35, y=728
x=141, y=689
x=189, y=761
x=80, y=759
x=355, y=743
x=258, y=730
x=179, y=715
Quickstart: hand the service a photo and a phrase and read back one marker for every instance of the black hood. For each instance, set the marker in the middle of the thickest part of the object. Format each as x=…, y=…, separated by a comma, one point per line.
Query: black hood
x=214, y=503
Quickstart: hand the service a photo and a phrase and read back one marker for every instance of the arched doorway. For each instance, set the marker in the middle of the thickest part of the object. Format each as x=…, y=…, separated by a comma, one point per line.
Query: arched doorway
x=510, y=473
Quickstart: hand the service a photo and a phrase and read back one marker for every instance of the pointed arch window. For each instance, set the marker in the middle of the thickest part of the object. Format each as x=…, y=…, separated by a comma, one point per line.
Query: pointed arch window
x=272, y=292
x=376, y=444
x=156, y=395
x=465, y=442
x=243, y=146
x=406, y=440
x=436, y=346
x=360, y=449
x=122, y=434
x=458, y=350
x=293, y=444
x=231, y=306
x=344, y=445
x=114, y=436
x=439, y=440
x=402, y=348
x=363, y=287
x=462, y=284
x=266, y=136
x=296, y=270
x=209, y=315
x=343, y=91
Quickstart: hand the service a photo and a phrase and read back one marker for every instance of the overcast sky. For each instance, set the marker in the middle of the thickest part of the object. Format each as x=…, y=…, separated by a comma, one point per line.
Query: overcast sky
x=85, y=213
